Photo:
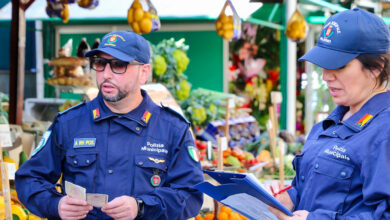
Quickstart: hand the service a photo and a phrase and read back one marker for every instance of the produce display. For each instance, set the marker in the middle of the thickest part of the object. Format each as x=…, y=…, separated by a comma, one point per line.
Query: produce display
x=225, y=213
x=18, y=210
x=170, y=60
x=69, y=71
x=143, y=21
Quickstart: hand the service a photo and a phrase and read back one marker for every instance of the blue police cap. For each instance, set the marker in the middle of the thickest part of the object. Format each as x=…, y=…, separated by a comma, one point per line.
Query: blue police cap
x=346, y=35
x=123, y=45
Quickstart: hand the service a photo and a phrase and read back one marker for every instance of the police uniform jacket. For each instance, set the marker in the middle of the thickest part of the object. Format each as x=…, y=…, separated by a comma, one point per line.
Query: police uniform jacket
x=147, y=153
x=344, y=169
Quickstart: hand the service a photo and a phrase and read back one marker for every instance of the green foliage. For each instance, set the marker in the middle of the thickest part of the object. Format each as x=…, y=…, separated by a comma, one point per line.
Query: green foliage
x=169, y=62
x=202, y=107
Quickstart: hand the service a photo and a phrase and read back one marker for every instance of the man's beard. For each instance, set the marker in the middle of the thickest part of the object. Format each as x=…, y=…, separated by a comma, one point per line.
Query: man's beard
x=121, y=94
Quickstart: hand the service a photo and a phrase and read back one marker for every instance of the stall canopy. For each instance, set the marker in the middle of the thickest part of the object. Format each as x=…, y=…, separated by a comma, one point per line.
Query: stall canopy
x=118, y=9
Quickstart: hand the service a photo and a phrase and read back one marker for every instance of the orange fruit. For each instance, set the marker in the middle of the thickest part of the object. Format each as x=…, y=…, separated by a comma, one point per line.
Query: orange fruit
x=199, y=217
x=234, y=216
x=223, y=216
x=226, y=209
x=209, y=216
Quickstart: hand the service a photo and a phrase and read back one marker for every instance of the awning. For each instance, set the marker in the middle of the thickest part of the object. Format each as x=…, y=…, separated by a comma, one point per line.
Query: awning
x=118, y=9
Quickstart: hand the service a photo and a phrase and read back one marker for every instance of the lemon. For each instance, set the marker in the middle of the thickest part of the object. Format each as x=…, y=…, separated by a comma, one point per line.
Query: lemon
x=130, y=13
x=135, y=27
x=228, y=34
x=223, y=18
x=218, y=25
x=146, y=25
x=228, y=27
x=220, y=32
x=230, y=19
x=138, y=14
x=136, y=4
x=147, y=15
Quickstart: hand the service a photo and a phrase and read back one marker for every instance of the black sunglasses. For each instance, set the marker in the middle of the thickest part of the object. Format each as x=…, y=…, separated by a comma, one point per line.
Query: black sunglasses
x=117, y=66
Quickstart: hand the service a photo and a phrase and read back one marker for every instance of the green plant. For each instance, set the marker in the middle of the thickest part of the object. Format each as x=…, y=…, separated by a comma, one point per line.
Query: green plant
x=169, y=63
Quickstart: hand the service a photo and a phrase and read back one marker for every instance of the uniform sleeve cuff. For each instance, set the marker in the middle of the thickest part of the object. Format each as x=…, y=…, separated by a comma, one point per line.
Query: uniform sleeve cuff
x=292, y=192
x=53, y=211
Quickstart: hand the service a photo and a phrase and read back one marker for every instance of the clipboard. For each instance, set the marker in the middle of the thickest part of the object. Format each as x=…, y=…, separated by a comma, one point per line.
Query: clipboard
x=242, y=193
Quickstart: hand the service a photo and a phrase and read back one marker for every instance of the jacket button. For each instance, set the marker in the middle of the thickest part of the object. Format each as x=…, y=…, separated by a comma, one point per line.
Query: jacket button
x=316, y=166
x=75, y=161
x=87, y=161
x=333, y=132
x=343, y=174
x=303, y=178
x=140, y=163
x=110, y=171
x=137, y=128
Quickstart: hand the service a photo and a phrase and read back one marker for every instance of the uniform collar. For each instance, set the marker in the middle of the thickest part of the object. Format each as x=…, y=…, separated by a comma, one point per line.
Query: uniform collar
x=335, y=116
x=141, y=114
x=363, y=117
x=370, y=109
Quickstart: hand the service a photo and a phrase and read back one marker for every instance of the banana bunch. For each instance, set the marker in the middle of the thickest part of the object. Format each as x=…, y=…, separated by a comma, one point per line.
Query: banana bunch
x=296, y=27
x=225, y=26
x=140, y=20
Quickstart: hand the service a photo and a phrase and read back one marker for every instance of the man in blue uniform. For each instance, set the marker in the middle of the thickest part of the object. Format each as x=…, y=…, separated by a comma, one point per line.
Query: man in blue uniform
x=121, y=144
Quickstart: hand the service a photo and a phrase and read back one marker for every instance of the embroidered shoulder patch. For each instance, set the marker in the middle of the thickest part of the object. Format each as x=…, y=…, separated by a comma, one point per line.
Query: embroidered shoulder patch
x=194, y=153
x=42, y=143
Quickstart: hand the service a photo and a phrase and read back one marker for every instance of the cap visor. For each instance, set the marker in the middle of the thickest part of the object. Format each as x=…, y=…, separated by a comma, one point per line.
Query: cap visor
x=327, y=58
x=110, y=51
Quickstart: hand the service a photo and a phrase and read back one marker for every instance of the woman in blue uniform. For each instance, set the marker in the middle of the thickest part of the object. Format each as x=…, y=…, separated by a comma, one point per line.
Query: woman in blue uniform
x=344, y=169
x=134, y=159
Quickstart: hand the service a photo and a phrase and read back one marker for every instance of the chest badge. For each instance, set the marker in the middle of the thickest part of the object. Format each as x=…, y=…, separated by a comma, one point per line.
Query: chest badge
x=156, y=179
x=194, y=153
x=366, y=118
x=96, y=113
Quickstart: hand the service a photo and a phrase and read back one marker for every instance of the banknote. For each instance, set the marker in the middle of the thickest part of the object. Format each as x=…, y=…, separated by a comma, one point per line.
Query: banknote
x=96, y=199
x=75, y=191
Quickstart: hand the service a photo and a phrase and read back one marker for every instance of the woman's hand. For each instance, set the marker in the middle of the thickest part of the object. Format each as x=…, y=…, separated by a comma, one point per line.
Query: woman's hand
x=283, y=197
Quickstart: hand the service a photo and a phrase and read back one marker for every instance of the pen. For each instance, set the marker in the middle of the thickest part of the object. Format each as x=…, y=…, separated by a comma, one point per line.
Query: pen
x=282, y=190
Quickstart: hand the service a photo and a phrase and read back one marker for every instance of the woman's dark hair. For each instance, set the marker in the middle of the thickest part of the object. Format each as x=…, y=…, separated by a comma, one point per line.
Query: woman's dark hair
x=377, y=62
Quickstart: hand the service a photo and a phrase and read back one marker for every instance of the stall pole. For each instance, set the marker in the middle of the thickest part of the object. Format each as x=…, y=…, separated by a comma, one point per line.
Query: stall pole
x=281, y=161
x=17, y=60
x=5, y=185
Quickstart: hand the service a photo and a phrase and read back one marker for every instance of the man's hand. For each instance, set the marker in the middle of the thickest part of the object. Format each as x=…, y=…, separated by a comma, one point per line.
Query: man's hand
x=121, y=208
x=72, y=208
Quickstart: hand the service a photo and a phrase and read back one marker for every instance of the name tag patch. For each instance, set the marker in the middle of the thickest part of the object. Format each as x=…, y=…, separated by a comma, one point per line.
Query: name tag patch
x=84, y=142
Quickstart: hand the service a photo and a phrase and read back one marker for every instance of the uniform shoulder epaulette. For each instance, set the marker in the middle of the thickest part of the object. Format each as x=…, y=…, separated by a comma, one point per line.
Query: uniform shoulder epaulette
x=174, y=112
x=73, y=107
